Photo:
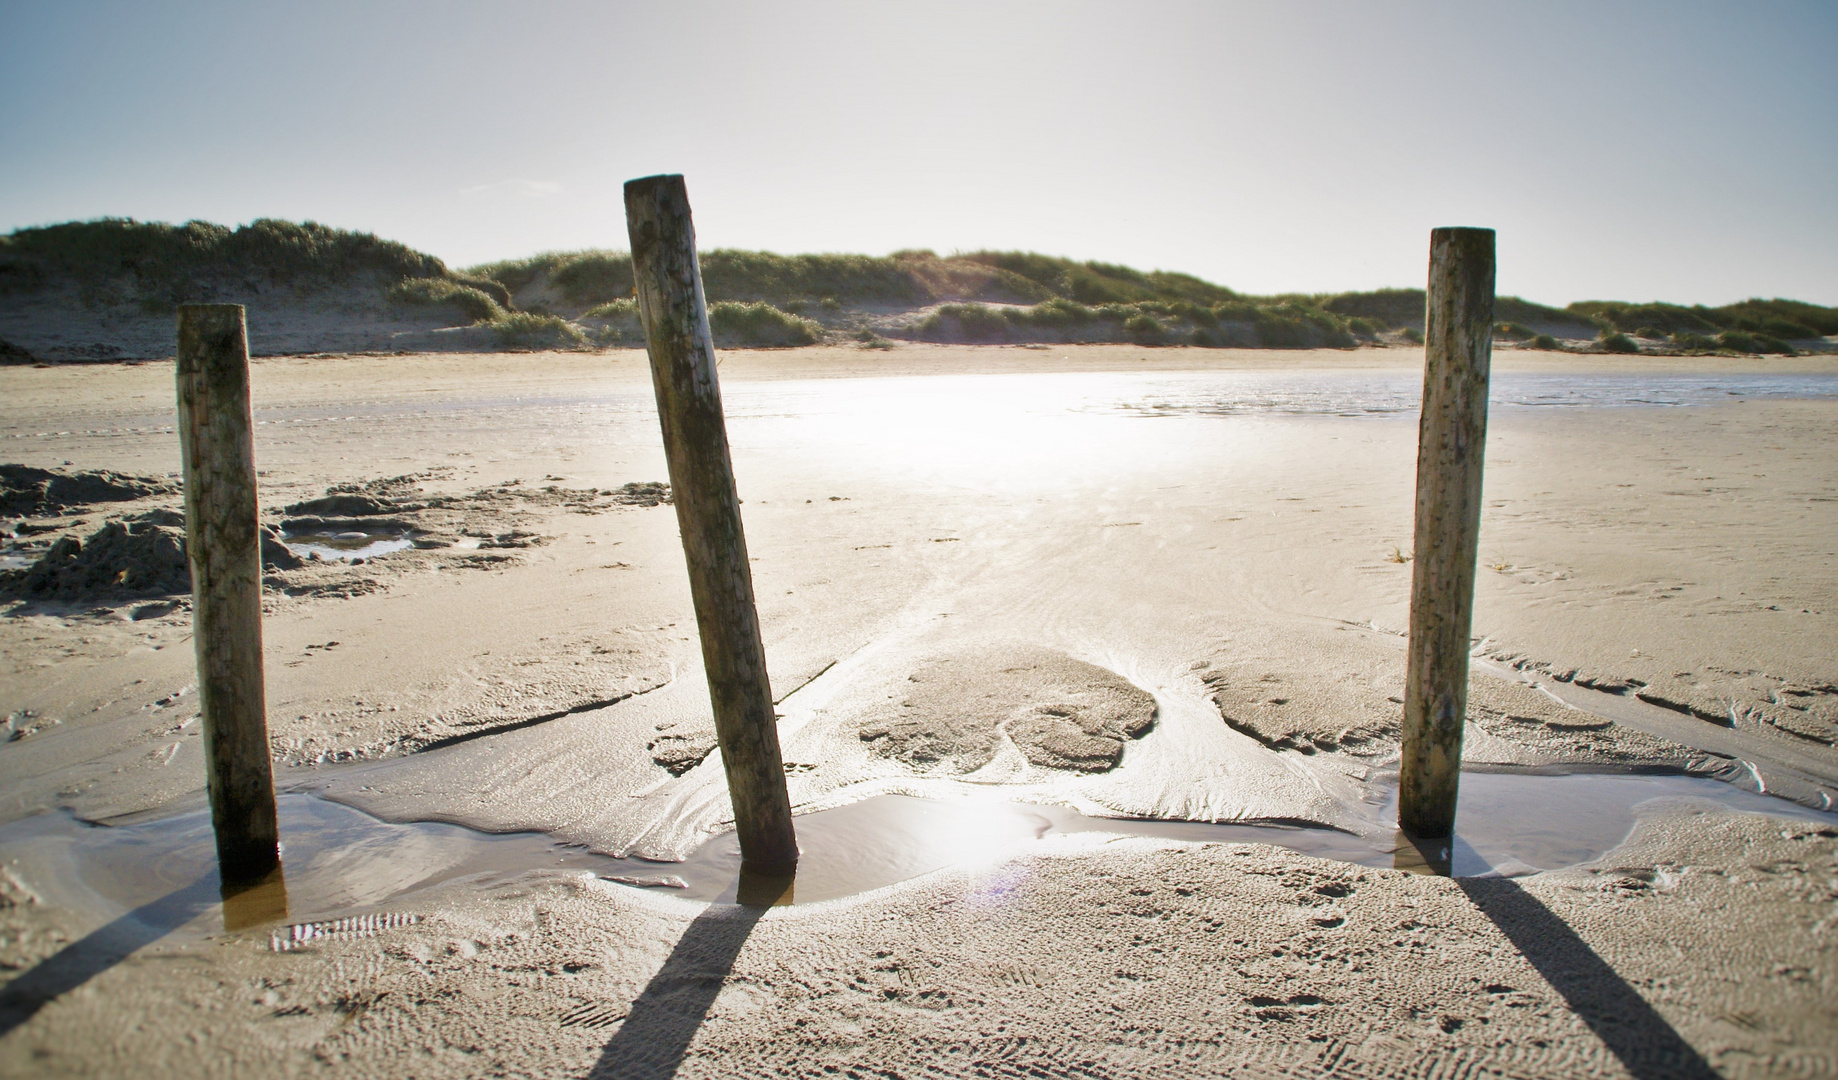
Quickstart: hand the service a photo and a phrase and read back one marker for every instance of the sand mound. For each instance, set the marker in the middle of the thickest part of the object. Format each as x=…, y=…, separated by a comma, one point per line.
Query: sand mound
x=127, y=558
x=341, y=506
x=1059, y=712
x=29, y=492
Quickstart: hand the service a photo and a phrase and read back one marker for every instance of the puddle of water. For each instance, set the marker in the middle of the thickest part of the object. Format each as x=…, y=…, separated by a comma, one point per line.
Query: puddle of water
x=341, y=862
x=17, y=558
x=1508, y=824
x=337, y=861
x=347, y=543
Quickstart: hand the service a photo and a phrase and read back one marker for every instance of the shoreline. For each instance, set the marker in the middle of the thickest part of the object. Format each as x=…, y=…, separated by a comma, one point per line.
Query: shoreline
x=1246, y=575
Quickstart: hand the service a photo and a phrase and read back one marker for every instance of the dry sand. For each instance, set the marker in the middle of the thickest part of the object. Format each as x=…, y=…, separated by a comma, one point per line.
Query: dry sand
x=1060, y=536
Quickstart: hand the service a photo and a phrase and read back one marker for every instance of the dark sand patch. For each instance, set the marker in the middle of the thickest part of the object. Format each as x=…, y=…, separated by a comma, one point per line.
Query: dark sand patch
x=1293, y=697
x=498, y=516
x=1060, y=712
x=1743, y=699
x=144, y=555
x=678, y=752
x=29, y=492
x=125, y=560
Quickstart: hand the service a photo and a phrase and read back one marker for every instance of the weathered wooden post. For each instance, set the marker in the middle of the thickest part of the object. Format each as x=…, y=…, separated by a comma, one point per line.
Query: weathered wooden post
x=223, y=544
x=674, y=314
x=1452, y=439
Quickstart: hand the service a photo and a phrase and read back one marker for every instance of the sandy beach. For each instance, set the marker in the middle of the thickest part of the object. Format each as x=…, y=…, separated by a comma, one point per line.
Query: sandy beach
x=1118, y=583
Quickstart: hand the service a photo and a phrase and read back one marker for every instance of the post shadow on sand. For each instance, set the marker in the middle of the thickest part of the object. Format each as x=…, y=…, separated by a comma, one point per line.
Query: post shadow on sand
x=101, y=949
x=657, y=1032
x=244, y=905
x=1641, y=1039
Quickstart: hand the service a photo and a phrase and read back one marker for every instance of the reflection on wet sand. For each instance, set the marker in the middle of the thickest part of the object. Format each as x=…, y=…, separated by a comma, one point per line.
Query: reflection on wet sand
x=764, y=890
x=343, y=862
x=248, y=905
x=1423, y=855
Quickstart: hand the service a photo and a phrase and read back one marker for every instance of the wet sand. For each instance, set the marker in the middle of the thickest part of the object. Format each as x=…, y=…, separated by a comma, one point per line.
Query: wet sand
x=1136, y=527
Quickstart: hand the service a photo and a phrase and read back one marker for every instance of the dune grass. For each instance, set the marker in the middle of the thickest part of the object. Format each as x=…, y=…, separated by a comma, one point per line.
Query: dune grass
x=1392, y=309
x=428, y=292
x=906, y=278
x=1777, y=320
x=759, y=325
x=591, y=278
x=1146, y=322
x=530, y=330
x=1616, y=343
x=160, y=265
x=781, y=300
x=734, y=325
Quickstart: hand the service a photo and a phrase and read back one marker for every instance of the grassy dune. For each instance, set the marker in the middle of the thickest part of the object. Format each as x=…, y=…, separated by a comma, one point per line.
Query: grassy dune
x=583, y=298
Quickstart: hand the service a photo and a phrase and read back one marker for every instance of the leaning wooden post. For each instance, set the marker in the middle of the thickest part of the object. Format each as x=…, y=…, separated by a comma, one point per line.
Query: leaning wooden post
x=675, y=319
x=223, y=544
x=1452, y=438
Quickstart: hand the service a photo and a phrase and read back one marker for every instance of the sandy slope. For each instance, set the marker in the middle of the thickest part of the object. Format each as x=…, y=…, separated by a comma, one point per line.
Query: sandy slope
x=907, y=508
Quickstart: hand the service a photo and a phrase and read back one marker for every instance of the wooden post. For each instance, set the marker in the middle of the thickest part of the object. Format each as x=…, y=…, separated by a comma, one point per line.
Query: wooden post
x=1452, y=438
x=223, y=545
x=675, y=319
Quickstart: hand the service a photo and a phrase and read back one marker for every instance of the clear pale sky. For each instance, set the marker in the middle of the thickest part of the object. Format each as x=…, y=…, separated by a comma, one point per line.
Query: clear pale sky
x=1677, y=150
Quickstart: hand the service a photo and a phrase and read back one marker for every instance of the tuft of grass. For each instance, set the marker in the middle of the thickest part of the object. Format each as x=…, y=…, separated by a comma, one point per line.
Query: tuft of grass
x=1744, y=342
x=614, y=323
x=1413, y=335
x=1547, y=343
x=1616, y=343
x=1144, y=328
x=615, y=309
x=1291, y=326
x=529, y=330
x=760, y=326
x=871, y=340
x=469, y=299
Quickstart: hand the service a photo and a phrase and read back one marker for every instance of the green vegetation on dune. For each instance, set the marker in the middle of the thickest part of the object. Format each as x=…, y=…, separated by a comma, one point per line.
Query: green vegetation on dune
x=162, y=264
x=905, y=278
x=983, y=296
x=464, y=297
x=581, y=278
x=1790, y=320
x=1099, y=282
x=762, y=299
x=1398, y=308
x=589, y=278
x=734, y=324
x=759, y=325
x=1146, y=322
x=529, y=330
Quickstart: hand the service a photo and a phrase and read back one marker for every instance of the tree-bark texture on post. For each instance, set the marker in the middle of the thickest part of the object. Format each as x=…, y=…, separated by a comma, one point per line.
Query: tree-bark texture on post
x=223, y=544
x=674, y=314
x=1458, y=348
